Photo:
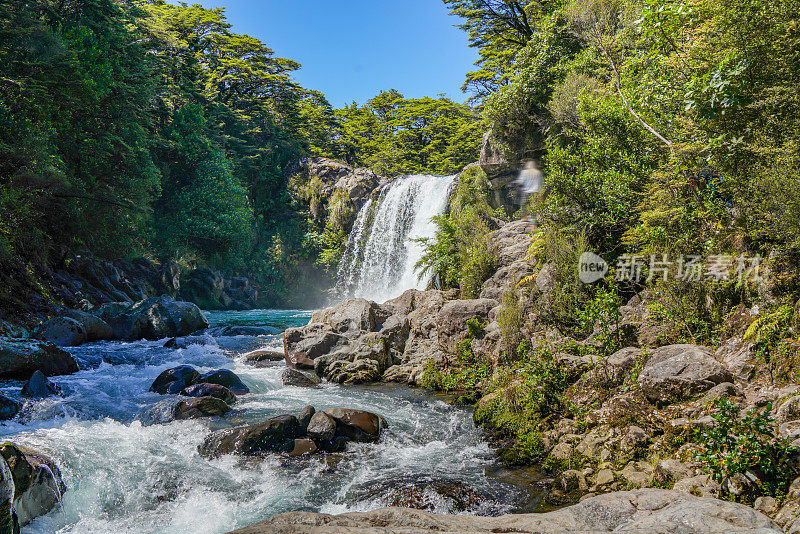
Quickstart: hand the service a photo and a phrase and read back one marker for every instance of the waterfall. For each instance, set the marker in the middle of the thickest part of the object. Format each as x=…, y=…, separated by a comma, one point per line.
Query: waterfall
x=381, y=252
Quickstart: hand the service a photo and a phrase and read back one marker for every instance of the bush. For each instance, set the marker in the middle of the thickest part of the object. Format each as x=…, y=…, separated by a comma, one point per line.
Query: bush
x=737, y=445
x=511, y=319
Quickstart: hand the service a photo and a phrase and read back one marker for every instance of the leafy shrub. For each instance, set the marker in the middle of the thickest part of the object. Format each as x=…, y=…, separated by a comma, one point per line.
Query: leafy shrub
x=737, y=445
x=603, y=311
x=511, y=319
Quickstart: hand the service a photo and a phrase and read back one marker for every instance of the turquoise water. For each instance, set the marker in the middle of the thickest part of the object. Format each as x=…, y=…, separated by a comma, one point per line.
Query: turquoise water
x=125, y=478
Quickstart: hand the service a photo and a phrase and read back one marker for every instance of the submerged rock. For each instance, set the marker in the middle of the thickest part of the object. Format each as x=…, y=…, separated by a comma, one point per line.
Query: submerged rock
x=210, y=390
x=303, y=379
x=169, y=410
x=227, y=378
x=39, y=387
x=649, y=510
x=262, y=357
x=175, y=380
x=20, y=359
x=8, y=407
x=273, y=435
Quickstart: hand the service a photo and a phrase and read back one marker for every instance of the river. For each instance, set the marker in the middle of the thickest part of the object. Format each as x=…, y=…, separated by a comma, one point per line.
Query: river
x=123, y=477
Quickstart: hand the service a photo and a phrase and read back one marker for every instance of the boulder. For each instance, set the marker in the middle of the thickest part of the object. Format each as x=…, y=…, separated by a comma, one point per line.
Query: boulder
x=303, y=379
x=175, y=380
x=789, y=410
x=204, y=389
x=61, y=331
x=646, y=510
x=679, y=372
x=262, y=357
x=201, y=407
x=170, y=410
x=452, y=318
x=8, y=407
x=227, y=378
x=274, y=435
x=351, y=316
x=321, y=427
x=37, y=482
x=39, y=387
x=311, y=341
x=20, y=359
x=357, y=425
x=96, y=328
x=156, y=318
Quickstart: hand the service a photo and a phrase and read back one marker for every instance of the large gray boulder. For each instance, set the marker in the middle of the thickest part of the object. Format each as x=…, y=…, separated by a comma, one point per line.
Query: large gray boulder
x=308, y=342
x=351, y=316
x=679, y=372
x=20, y=359
x=652, y=511
x=155, y=318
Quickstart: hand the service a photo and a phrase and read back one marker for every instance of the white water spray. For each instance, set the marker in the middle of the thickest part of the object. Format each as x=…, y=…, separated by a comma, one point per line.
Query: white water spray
x=382, y=251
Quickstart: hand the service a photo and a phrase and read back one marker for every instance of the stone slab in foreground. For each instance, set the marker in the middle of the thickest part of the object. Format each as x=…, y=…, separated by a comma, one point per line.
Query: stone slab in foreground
x=648, y=510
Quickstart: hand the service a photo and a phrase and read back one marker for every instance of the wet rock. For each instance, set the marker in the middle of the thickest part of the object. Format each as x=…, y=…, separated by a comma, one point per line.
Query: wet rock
x=37, y=482
x=227, y=378
x=304, y=418
x=62, y=331
x=262, y=357
x=321, y=427
x=242, y=330
x=274, y=435
x=357, y=425
x=679, y=372
x=8, y=407
x=303, y=446
x=20, y=359
x=649, y=510
x=201, y=407
x=39, y=387
x=170, y=410
x=303, y=379
x=175, y=380
x=423, y=493
x=96, y=329
x=155, y=318
x=205, y=389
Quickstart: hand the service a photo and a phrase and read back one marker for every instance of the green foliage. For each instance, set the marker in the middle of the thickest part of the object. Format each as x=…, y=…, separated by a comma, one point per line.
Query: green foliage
x=738, y=445
x=603, y=312
x=395, y=135
x=511, y=320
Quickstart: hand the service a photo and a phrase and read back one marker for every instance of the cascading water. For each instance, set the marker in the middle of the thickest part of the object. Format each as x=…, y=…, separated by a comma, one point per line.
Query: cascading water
x=382, y=250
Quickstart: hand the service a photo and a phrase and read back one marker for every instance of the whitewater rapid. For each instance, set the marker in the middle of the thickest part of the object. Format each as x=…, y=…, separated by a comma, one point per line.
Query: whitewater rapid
x=383, y=248
x=126, y=478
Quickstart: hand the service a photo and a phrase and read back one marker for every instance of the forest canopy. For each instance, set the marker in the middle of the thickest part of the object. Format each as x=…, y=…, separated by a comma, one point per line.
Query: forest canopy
x=154, y=129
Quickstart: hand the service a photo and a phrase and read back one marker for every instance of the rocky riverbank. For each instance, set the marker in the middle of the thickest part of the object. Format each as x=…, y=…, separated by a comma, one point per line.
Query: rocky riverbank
x=650, y=511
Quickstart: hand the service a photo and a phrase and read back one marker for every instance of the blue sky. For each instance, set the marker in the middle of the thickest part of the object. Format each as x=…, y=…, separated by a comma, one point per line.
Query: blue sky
x=351, y=49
